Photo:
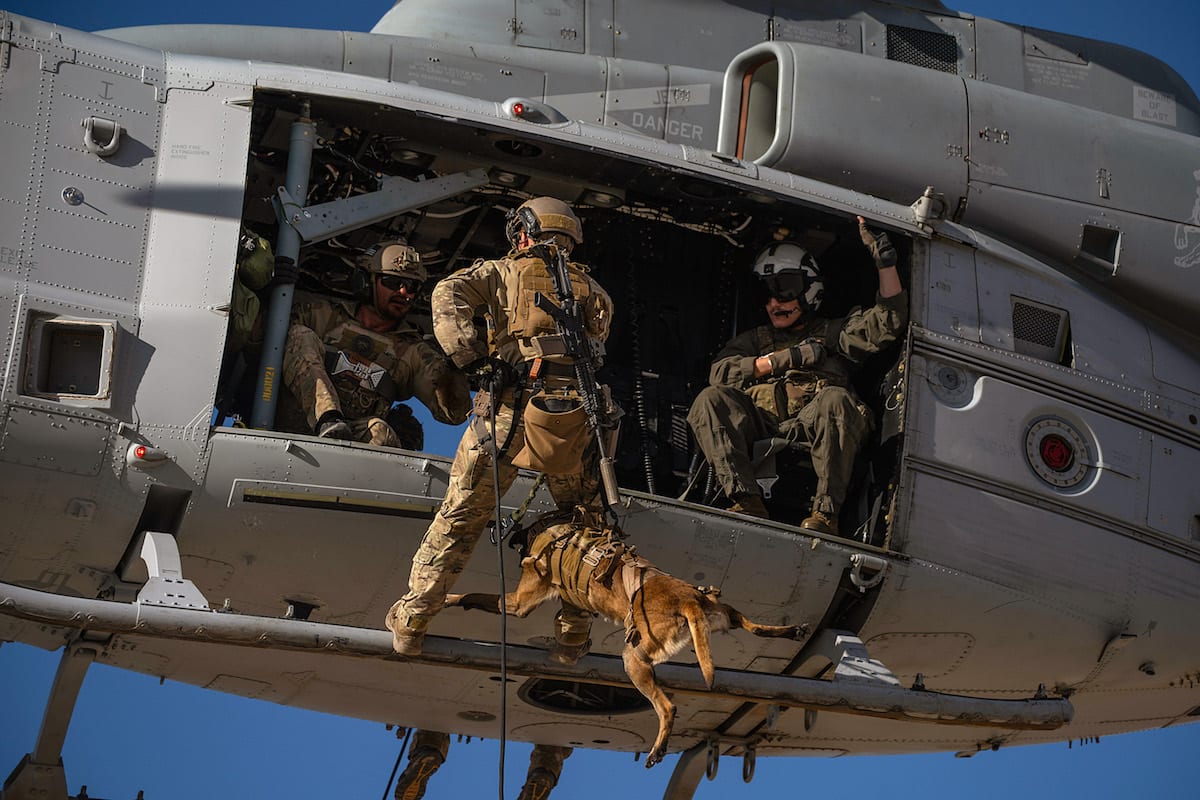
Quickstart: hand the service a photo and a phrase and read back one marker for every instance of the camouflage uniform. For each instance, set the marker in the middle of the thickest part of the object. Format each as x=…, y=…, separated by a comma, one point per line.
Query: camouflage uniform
x=333, y=363
x=815, y=404
x=503, y=289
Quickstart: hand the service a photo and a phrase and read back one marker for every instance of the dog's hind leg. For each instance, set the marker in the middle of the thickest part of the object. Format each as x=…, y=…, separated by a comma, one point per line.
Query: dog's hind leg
x=641, y=672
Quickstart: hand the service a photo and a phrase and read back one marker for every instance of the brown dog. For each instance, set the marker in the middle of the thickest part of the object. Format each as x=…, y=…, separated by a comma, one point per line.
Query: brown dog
x=587, y=567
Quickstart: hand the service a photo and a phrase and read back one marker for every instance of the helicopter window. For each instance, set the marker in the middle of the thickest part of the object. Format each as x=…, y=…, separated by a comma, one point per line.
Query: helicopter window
x=69, y=358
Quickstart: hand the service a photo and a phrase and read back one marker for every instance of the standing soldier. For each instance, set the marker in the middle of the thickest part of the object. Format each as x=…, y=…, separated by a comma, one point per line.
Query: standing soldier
x=538, y=402
x=791, y=378
x=346, y=362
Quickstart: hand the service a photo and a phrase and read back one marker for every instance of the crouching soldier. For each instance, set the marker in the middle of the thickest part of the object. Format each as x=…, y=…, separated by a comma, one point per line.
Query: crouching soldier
x=346, y=362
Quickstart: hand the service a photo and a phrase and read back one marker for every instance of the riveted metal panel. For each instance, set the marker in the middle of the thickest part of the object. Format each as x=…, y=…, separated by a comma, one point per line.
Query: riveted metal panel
x=22, y=135
x=92, y=210
x=1174, y=502
x=550, y=24
x=59, y=442
x=693, y=107
x=953, y=303
x=189, y=261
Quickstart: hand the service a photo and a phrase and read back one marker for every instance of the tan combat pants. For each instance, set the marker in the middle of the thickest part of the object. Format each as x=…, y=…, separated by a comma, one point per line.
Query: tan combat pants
x=470, y=502
x=312, y=389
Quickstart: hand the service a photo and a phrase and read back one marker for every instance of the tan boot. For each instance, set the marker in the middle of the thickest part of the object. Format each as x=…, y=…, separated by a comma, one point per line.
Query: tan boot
x=421, y=766
x=405, y=641
x=538, y=785
x=749, y=504
x=821, y=523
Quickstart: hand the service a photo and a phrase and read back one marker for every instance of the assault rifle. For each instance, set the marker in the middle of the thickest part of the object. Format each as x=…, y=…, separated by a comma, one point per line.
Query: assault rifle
x=585, y=353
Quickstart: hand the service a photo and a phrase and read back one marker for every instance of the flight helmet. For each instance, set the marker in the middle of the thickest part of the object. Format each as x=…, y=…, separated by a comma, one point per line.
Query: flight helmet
x=543, y=215
x=790, y=273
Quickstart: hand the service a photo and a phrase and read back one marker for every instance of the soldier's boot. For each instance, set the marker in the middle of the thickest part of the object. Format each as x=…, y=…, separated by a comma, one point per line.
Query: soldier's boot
x=406, y=641
x=421, y=766
x=750, y=504
x=823, y=518
x=572, y=627
x=332, y=425
x=538, y=785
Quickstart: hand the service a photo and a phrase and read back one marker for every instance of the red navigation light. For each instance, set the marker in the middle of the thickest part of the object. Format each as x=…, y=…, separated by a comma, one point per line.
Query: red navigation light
x=518, y=109
x=1056, y=453
x=140, y=451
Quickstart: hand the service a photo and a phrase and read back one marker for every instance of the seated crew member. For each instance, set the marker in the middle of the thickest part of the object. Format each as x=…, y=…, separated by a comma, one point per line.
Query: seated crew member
x=791, y=378
x=346, y=362
x=523, y=342
x=429, y=748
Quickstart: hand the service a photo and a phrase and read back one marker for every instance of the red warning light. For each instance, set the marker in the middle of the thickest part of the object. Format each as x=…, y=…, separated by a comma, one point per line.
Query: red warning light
x=518, y=109
x=140, y=451
x=1056, y=453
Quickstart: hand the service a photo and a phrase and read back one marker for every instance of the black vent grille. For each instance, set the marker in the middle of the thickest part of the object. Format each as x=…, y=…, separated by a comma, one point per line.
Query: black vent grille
x=1039, y=330
x=1035, y=325
x=928, y=49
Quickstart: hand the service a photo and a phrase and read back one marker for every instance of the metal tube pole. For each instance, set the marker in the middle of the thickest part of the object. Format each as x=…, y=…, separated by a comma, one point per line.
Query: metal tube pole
x=287, y=245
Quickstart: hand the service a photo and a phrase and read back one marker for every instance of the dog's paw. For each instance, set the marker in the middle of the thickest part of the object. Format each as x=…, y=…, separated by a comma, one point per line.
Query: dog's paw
x=454, y=599
x=800, y=632
x=654, y=757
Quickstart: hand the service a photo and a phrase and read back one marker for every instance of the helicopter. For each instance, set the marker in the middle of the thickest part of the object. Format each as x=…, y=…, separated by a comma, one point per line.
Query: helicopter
x=997, y=373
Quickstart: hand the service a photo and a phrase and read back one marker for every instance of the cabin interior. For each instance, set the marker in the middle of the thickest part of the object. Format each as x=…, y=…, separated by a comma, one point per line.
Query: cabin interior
x=674, y=250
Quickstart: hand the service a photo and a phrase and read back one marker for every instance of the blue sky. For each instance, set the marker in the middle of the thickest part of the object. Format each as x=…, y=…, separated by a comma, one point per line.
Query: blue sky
x=179, y=743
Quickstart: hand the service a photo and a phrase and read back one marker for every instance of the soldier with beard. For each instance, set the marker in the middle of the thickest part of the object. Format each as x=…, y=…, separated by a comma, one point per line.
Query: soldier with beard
x=347, y=362
x=791, y=378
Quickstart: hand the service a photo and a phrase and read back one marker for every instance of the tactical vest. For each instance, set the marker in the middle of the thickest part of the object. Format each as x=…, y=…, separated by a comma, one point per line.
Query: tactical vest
x=359, y=363
x=527, y=321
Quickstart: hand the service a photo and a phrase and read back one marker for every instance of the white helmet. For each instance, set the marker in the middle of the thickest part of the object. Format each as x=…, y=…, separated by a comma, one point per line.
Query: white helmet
x=790, y=273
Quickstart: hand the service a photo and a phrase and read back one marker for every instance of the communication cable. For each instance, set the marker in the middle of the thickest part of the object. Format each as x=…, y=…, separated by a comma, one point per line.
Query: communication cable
x=495, y=386
x=396, y=767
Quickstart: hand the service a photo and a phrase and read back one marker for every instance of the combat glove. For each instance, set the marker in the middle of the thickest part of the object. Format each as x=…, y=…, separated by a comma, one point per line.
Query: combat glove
x=332, y=425
x=806, y=354
x=286, y=272
x=880, y=246
x=491, y=373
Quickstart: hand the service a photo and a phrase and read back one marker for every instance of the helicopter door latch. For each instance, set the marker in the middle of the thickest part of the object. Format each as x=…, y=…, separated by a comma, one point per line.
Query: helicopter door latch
x=866, y=570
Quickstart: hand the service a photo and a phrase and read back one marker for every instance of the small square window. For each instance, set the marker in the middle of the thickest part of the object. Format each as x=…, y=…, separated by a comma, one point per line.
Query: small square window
x=69, y=359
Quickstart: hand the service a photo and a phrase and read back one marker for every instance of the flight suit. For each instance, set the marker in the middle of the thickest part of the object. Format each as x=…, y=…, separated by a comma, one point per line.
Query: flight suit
x=502, y=289
x=333, y=363
x=816, y=404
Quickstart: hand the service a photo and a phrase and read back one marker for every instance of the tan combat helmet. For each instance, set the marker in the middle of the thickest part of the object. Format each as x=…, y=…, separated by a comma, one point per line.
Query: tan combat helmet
x=393, y=257
x=552, y=216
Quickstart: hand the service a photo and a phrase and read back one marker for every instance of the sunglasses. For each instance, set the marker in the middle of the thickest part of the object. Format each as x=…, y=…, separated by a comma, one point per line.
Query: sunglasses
x=394, y=283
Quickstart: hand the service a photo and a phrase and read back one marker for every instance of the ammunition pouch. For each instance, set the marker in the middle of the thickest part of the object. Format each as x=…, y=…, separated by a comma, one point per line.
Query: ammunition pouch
x=556, y=434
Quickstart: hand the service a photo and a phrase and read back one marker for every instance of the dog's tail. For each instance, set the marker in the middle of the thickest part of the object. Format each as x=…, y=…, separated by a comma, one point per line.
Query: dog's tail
x=698, y=624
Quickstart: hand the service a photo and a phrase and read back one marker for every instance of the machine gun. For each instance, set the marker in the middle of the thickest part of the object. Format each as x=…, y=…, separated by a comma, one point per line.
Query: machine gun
x=585, y=353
